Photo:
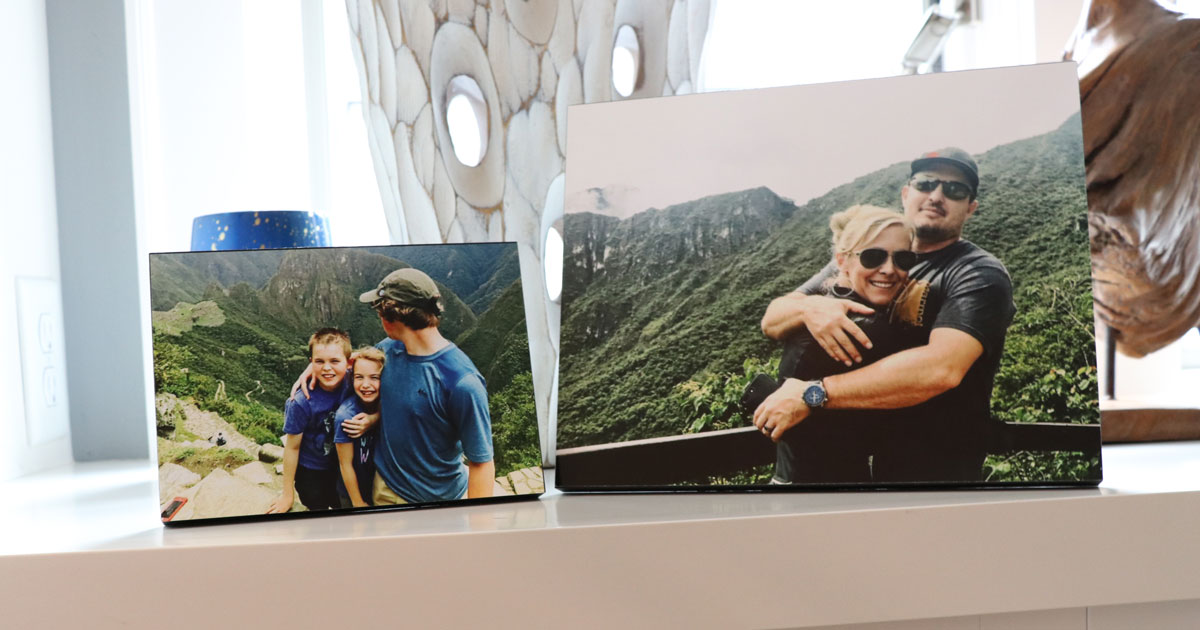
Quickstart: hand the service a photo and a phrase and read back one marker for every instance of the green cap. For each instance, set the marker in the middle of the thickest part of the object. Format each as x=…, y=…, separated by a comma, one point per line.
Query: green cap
x=409, y=286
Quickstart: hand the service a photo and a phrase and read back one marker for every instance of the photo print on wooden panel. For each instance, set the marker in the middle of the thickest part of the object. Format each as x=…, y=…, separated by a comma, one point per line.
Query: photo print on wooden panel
x=880, y=283
x=330, y=379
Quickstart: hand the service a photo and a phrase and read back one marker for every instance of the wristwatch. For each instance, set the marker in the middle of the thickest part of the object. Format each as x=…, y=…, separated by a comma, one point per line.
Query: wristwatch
x=815, y=396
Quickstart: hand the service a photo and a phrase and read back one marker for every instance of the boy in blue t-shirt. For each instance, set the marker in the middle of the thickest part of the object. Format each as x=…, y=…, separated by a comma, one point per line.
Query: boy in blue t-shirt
x=356, y=453
x=309, y=465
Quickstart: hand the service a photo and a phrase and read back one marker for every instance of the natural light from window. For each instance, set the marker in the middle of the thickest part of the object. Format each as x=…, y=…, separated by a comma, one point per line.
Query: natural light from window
x=626, y=56
x=552, y=254
x=464, y=131
x=355, y=209
x=467, y=120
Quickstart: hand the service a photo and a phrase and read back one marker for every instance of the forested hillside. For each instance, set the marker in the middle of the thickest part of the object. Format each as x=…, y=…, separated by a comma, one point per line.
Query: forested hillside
x=669, y=301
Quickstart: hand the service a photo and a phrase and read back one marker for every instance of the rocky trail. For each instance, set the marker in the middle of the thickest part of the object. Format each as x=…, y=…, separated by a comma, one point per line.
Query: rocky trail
x=248, y=476
x=248, y=488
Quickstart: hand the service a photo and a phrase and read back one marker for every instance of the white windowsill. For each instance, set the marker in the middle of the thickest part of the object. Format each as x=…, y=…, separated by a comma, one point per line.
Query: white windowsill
x=617, y=560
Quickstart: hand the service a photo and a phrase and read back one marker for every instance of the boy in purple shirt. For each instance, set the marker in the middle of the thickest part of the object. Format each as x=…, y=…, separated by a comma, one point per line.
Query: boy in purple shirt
x=309, y=466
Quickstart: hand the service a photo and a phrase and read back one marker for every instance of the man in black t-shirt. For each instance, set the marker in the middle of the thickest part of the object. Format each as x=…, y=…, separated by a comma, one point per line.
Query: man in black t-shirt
x=945, y=383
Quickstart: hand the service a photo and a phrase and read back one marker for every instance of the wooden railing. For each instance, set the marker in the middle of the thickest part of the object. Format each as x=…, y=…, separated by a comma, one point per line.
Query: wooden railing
x=670, y=460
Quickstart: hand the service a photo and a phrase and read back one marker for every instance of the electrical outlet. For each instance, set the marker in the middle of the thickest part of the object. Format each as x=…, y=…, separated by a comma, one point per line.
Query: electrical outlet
x=43, y=360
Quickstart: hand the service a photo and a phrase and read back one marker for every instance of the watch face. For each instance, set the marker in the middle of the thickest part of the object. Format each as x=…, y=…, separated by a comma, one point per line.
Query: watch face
x=814, y=396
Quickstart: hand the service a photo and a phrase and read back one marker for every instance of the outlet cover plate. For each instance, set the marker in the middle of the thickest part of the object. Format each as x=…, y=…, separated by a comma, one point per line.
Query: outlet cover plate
x=43, y=360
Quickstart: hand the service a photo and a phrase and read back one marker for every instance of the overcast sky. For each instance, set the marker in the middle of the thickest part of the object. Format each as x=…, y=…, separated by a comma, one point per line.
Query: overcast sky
x=800, y=141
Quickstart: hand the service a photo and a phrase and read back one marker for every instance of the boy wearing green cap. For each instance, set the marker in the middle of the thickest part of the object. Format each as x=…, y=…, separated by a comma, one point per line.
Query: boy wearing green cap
x=435, y=410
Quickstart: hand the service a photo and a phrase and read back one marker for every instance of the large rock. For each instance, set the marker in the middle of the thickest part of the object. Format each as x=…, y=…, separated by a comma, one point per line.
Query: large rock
x=221, y=494
x=524, y=481
x=255, y=472
x=270, y=453
x=536, y=482
x=527, y=481
x=172, y=479
x=168, y=414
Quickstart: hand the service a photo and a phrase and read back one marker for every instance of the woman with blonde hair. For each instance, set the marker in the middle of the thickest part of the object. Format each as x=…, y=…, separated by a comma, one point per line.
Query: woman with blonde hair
x=872, y=248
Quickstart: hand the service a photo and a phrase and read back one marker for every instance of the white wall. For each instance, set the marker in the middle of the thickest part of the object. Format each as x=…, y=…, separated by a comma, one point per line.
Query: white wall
x=29, y=240
x=1166, y=378
x=1012, y=32
x=1002, y=36
x=100, y=263
x=1054, y=21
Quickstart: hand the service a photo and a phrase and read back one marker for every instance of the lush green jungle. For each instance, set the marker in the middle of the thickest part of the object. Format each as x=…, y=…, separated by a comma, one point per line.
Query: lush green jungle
x=231, y=329
x=661, y=311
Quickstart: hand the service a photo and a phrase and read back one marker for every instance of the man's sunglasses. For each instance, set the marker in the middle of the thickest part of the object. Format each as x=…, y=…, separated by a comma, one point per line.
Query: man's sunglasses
x=874, y=257
x=956, y=191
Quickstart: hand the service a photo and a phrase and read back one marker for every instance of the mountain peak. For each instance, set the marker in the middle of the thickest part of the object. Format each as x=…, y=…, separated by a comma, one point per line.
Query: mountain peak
x=656, y=241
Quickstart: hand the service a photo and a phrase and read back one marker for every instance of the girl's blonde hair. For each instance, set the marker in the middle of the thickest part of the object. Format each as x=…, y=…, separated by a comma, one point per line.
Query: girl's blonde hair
x=858, y=225
x=370, y=353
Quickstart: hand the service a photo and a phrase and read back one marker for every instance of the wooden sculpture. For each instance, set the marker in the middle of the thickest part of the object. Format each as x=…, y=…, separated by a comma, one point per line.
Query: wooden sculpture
x=1139, y=69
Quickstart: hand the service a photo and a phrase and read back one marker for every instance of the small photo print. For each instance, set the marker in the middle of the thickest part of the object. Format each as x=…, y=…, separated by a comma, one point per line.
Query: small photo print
x=866, y=284
x=308, y=380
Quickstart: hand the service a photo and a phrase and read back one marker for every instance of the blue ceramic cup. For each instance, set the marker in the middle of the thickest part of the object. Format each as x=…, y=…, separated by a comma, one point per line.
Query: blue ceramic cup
x=269, y=229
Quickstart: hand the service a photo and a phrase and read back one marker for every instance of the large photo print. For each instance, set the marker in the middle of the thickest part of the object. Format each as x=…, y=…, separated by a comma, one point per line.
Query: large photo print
x=872, y=283
x=307, y=380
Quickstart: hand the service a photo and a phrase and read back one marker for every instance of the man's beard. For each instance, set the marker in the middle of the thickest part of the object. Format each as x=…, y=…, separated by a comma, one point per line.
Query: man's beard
x=934, y=234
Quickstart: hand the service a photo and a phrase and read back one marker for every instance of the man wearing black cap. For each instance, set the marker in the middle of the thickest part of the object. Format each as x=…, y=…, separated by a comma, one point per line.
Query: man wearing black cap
x=433, y=402
x=947, y=383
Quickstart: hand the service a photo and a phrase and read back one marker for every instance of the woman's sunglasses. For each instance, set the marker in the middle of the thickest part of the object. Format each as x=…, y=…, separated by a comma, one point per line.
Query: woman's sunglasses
x=955, y=191
x=874, y=257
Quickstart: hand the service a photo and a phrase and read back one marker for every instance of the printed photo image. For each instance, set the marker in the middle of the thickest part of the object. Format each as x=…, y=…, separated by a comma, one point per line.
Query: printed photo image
x=341, y=378
x=864, y=284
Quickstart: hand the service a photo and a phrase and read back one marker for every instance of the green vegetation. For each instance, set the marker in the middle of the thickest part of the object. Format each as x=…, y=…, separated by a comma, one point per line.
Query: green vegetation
x=514, y=426
x=508, y=271
x=1028, y=466
x=252, y=419
x=498, y=343
x=1048, y=371
x=711, y=401
x=253, y=388
x=183, y=317
x=202, y=461
x=755, y=476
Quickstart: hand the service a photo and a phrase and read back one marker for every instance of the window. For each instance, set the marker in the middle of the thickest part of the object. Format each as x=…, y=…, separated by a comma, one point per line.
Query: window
x=250, y=105
x=354, y=207
x=1190, y=346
